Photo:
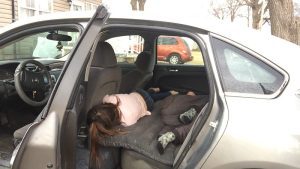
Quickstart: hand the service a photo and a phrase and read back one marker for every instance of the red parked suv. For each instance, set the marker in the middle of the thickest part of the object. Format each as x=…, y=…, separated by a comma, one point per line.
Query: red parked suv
x=173, y=49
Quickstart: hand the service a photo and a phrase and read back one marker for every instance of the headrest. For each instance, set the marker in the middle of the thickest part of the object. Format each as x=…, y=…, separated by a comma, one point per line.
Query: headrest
x=145, y=62
x=104, y=56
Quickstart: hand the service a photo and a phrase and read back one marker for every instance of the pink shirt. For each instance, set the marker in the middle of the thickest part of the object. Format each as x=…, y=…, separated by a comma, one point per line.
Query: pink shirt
x=132, y=107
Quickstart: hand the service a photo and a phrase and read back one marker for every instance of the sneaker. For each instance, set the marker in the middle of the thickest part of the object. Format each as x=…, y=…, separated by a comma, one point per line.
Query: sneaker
x=188, y=116
x=164, y=140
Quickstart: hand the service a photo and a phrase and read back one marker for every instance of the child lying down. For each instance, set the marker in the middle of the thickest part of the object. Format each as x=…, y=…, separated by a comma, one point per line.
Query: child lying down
x=127, y=109
x=177, y=115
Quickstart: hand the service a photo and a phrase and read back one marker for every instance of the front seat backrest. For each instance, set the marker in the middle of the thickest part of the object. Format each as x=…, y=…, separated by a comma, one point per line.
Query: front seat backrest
x=141, y=75
x=104, y=76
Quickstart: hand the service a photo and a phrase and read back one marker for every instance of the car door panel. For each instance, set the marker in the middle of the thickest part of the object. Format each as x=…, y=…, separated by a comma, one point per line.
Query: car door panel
x=49, y=130
x=181, y=78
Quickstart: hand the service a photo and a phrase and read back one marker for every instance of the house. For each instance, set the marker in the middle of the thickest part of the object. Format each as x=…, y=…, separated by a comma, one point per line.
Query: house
x=12, y=10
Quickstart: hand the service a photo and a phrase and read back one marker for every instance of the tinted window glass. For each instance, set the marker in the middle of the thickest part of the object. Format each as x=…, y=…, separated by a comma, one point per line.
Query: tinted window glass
x=178, y=50
x=243, y=73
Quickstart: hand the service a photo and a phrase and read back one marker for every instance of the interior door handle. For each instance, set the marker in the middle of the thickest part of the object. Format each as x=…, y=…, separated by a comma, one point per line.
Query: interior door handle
x=173, y=70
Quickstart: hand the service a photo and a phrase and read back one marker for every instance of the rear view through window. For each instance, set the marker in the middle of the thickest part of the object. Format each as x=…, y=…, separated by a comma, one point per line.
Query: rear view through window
x=178, y=50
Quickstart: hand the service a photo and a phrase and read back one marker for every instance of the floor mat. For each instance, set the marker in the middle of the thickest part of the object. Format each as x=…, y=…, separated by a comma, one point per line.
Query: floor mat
x=82, y=156
x=6, y=147
x=5, y=159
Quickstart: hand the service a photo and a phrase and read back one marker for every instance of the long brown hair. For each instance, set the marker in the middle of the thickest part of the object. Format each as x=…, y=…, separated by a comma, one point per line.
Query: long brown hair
x=104, y=120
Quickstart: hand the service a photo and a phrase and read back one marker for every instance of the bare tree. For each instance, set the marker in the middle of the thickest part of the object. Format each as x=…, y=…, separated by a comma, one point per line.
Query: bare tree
x=229, y=8
x=218, y=11
x=259, y=7
x=283, y=22
x=137, y=5
x=234, y=6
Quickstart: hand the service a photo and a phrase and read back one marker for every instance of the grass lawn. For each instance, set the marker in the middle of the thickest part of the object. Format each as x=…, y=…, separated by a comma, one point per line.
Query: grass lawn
x=198, y=59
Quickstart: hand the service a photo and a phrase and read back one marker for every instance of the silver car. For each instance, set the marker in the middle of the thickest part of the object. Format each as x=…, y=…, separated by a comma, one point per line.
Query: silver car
x=250, y=121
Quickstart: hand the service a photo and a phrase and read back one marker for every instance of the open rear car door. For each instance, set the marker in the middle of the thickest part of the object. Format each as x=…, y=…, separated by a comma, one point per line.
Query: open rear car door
x=41, y=146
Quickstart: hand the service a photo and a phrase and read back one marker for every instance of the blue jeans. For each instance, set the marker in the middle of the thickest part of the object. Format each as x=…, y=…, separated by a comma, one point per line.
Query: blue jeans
x=150, y=98
x=159, y=96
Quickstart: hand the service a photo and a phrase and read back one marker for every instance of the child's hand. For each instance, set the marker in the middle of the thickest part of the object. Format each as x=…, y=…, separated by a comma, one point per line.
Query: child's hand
x=154, y=89
x=173, y=92
x=190, y=93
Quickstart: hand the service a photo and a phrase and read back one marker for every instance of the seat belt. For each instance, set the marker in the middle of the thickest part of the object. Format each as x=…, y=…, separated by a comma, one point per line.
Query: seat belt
x=82, y=132
x=92, y=54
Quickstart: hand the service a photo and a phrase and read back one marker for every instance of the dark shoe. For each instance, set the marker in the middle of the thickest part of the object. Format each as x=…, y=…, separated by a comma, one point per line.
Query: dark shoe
x=160, y=148
x=188, y=116
x=164, y=140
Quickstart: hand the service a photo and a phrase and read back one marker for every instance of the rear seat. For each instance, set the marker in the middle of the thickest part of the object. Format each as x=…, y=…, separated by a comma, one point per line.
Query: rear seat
x=133, y=160
x=142, y=138
x=138, y=146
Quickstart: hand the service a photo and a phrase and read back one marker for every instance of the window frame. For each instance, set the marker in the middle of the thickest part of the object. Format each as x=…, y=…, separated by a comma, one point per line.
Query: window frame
x=77, y=3
x=83, y=5
x=255, y=55
x=93, y=6
x=36, y=10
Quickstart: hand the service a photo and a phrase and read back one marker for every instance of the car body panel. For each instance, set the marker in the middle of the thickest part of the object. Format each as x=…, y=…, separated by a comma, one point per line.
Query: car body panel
x=40, y=137
x=259, y=131
x=247, y=131
x=216, y=123
x=260, y=134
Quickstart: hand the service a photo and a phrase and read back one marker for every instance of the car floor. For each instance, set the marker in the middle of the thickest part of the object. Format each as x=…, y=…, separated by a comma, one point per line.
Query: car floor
x=14, y=114
x=6, y=146
x=82, y=156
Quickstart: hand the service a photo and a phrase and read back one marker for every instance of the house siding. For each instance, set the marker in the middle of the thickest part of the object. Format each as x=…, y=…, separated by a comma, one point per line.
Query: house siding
x=63, y=5
x=94, y=1
x=58, y=6
x=5, y=12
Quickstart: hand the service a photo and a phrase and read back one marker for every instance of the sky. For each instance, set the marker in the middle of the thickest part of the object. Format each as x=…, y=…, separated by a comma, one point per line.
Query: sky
x=189, y=6
x=170, y=6
x=176, y=6
x=297, y=7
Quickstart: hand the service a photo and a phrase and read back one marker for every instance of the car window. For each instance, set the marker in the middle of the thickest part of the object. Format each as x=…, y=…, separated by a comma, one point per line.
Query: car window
x=127, y=47
x=178, y=50
x=167, y=41
x=243, y=73
x=47, y=44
